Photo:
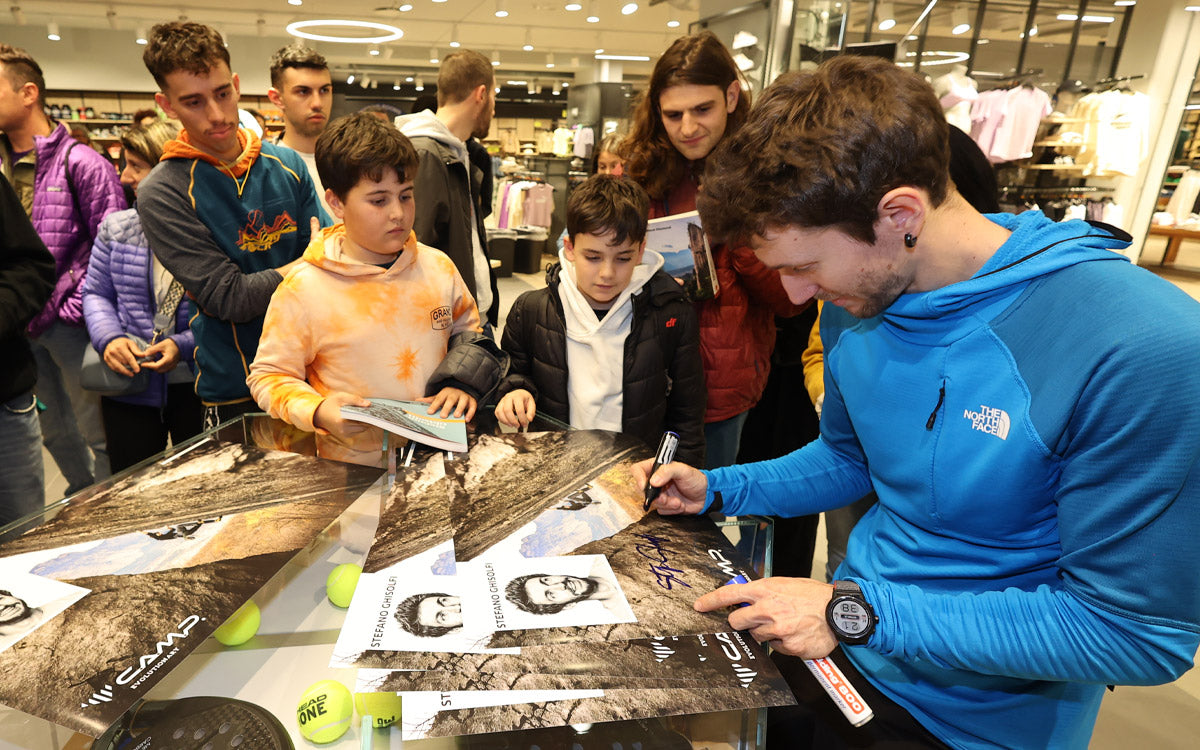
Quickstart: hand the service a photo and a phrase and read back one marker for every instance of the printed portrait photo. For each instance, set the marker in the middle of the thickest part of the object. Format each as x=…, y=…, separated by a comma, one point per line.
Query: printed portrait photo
x=27, y=602
x=518, y=593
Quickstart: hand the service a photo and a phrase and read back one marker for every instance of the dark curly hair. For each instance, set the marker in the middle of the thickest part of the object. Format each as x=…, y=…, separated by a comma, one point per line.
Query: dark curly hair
x=359, y=145
x=604, y=203
x=823, y=147
x=183, y=45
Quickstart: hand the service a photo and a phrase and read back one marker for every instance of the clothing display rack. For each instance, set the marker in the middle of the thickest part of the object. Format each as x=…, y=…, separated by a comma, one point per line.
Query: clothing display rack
x=1024, y=192
x=525, y=174
x=1114, y=82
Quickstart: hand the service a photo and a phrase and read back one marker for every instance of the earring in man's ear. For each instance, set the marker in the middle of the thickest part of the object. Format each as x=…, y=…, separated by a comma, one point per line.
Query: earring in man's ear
x=910, y=241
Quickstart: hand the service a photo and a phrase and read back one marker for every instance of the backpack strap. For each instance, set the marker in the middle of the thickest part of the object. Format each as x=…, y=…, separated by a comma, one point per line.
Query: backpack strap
x=72, y=191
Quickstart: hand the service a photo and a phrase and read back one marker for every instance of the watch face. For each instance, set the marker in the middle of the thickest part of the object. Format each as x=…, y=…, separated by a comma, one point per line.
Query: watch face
x=850, y=617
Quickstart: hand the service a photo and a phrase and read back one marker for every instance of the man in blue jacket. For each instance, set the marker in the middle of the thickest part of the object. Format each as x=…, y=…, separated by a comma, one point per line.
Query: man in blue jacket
x=1014, y=391
x=225, y=213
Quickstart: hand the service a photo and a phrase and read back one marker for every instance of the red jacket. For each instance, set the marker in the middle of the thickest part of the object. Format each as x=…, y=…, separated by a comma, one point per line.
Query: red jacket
x=737, y=327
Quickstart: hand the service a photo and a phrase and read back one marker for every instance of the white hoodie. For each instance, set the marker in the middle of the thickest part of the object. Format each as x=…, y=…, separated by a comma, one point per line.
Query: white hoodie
x=426, y=124
x=596, y=347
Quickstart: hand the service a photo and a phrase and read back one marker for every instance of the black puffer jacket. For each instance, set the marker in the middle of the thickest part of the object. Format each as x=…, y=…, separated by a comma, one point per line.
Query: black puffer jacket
x=662, y=373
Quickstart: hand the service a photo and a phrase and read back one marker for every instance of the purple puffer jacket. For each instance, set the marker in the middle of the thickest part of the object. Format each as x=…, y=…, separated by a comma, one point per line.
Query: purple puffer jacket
x=118, y=297
x=68, y=235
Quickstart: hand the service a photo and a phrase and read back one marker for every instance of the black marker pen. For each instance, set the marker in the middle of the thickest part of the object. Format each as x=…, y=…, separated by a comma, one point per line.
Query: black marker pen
x=664, y=456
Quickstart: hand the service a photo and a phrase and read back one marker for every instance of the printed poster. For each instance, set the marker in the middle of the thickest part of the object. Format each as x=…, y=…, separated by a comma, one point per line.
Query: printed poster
x=28, y=602
x=163, y=556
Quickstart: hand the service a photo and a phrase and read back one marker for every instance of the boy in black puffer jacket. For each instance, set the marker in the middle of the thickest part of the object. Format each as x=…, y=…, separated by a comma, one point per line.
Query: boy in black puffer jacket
x=612, y=342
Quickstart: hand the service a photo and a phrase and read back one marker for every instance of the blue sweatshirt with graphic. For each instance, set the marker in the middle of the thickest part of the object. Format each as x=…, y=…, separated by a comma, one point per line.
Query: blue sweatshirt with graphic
x=223, y=230
x=1032, y=434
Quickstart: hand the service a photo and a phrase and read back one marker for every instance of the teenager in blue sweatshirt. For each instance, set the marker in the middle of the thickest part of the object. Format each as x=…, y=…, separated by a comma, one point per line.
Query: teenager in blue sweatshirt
x=1034, y=454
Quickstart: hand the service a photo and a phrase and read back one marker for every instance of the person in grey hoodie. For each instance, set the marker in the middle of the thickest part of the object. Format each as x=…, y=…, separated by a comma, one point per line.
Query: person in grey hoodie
x=451, y=209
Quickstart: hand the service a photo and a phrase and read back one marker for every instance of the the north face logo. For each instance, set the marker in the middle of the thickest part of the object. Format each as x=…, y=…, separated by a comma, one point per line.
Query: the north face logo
x=989, y=420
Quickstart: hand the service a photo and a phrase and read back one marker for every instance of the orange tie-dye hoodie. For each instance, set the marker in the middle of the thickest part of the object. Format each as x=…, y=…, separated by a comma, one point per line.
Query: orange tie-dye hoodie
x=337, y=324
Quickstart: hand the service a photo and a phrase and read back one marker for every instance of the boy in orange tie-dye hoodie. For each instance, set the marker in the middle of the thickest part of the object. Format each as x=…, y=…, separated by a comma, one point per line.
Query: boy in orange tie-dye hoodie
x=371, y=312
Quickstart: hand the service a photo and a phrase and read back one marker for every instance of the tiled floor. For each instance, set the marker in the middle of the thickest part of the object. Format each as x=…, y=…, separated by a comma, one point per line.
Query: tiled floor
x=1165, y=717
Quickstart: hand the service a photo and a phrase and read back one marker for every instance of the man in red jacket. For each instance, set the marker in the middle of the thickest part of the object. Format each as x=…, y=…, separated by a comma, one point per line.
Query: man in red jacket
x=693, y=100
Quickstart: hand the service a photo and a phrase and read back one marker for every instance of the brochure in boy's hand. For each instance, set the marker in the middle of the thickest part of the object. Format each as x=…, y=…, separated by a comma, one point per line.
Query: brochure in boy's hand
x=409, y=419
x=680, y=239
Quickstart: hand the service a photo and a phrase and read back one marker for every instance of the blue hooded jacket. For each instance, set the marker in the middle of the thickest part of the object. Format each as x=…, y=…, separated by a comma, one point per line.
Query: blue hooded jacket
x=1031, y=433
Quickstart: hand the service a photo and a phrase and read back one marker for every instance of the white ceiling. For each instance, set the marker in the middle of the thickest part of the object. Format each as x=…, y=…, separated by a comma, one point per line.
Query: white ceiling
x=428, y=26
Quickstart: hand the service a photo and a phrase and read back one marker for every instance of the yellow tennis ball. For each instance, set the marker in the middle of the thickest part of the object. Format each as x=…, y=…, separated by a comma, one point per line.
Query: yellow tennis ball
x=383, y=708
x=339, y=586
x=241, y=625
x=325, y=711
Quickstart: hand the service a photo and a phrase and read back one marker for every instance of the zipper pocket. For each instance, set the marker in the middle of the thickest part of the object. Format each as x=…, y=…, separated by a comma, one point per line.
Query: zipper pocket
x=933, y=414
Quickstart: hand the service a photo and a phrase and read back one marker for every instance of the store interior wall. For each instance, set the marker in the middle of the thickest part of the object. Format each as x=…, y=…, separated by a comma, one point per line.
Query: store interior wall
x=108, y=60
x=1163, y=45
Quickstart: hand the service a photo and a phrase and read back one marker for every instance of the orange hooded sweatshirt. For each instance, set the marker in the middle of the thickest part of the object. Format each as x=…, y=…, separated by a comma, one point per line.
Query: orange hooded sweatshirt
x=337, y=324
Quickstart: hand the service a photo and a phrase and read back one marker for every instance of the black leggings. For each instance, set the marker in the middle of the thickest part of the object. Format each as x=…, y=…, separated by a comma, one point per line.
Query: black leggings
x=134, y=433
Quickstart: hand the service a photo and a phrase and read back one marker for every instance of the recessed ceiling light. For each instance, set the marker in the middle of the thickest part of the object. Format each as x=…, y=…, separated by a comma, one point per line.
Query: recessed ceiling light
x=886, y=16
x=672, y=24
x=628, y=9
x=961, y=23
x=1086, y=18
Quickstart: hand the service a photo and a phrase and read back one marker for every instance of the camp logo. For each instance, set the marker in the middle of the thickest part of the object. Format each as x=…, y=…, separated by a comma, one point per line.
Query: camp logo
x=441, y=318
x=662, y=651
x=735, y=652
x=135, y=675
x=989, y=420
x=257, y=236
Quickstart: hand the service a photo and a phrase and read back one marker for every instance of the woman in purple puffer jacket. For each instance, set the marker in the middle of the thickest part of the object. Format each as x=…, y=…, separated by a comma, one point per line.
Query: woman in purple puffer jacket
x=124, y=286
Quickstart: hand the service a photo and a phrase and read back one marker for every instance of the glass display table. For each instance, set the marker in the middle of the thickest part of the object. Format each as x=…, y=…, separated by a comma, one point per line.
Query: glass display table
x=300, y=626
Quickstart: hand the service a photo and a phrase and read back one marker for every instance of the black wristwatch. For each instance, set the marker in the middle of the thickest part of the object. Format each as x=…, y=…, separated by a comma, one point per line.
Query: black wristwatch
x=850, y=617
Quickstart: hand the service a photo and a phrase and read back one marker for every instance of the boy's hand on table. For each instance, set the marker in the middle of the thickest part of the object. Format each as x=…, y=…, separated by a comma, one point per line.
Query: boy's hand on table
x=451, y=401
x=329, y=417
x=517, y=408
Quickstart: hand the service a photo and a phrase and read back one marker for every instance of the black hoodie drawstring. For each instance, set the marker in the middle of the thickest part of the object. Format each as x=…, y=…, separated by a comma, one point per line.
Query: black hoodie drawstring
x=933, y=415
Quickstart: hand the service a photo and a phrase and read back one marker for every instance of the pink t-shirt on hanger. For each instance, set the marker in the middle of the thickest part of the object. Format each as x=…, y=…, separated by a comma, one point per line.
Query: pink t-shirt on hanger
x=1025, y=107
x=987, y=113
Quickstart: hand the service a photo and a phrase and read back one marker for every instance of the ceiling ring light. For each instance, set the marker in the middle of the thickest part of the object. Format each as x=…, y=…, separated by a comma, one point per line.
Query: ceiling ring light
x=298, y=29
